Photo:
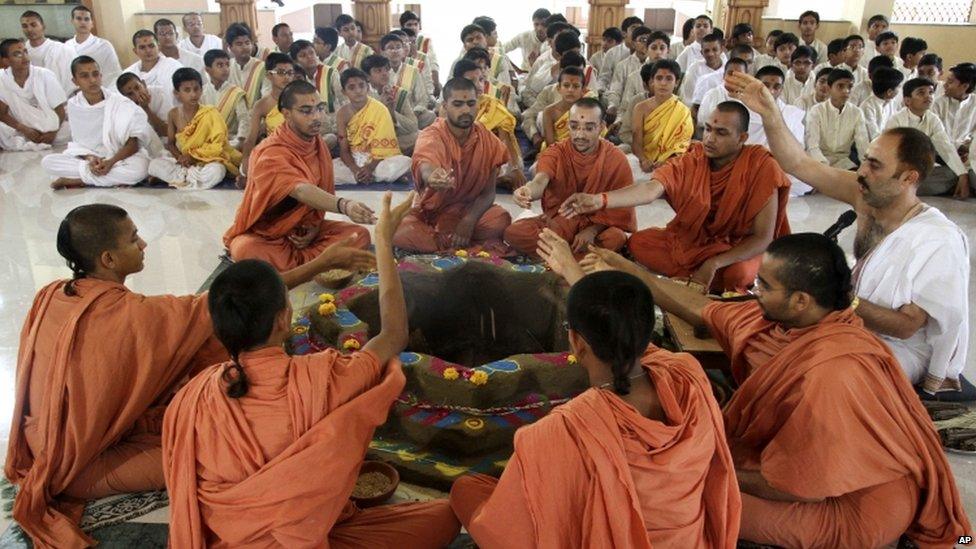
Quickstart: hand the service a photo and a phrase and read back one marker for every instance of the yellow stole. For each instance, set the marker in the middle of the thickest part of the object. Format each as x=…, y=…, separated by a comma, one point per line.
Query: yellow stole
x=501, y=92
x=423, y=44
x=359, y=52
x=273, y=119
x=227, y=104
x=667, y=130
x=205, y=139
x=336, y=62
x=407, y=75
x=420, y=61
x=371, y=131
x=252, y=84
x=494, y=116
x=495, y=69
x=323, y=82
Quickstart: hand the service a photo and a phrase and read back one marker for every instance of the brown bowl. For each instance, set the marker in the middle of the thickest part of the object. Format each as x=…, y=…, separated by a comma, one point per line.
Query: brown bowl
x=386, y=470
x=334, y=279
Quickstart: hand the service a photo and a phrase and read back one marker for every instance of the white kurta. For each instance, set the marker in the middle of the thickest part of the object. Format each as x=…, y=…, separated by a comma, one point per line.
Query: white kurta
x=958, y=117
x=32, y=105
x=925, y=261
x=103, y=53
x=696, y=71
x=613, y=56
x=622, y=71
x=539, y=76
x=705, y=84
x=793, y=89
x=160, y=75
x=819, y=47
x=831, y=132
x=55, y=57
x=210, y=42
x=101, y=130
x=930, y=125
x=527, y=43
x=877, y=112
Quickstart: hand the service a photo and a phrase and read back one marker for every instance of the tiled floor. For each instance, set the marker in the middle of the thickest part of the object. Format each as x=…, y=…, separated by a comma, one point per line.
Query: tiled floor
x=184, y=232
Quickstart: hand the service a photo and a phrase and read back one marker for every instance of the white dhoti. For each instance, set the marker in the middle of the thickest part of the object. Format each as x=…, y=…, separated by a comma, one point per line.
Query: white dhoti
x=33, y=106
x=129, y=171
x=925, y=261
x=197, y=177
x=387, y=171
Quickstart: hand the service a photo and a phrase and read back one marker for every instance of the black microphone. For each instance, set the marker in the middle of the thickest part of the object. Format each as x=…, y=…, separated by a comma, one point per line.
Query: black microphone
x=843, y=222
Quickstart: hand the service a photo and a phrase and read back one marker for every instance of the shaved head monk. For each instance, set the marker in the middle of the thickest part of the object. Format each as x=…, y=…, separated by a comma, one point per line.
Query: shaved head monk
x=96, y=364
x=729, y=200
x=265, y=450
x=290, y=186
x=832, y=447
x=912, y=271
x=638, y=460
x=585, y=163
x=455, y=165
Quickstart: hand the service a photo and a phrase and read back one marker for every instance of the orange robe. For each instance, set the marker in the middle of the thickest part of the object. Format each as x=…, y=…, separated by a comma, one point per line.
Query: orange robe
x=571, y=172
x=428, y=228
x=90, y=369
x=267, y=214
x=618, y=479
x=276, y=467
x=714, y=211
x=827, y=413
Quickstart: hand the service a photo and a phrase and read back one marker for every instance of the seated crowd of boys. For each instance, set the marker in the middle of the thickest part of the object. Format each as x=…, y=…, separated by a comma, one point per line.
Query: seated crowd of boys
x=825, y=442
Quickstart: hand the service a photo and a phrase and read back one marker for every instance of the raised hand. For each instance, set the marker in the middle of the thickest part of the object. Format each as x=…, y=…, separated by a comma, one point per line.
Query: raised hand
x=390, y=219
x=751, y=92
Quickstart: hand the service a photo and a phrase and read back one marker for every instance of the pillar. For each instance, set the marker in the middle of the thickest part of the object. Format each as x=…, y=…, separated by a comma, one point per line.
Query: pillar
x=238, y=11
x=745, y=11
x=603, y=14
x=375, y=17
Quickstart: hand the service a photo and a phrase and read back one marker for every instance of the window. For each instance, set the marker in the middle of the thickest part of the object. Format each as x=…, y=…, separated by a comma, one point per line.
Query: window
x=932, y=11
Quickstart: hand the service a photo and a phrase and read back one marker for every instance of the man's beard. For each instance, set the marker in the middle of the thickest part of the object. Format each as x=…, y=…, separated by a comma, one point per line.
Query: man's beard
x=464, y=121
x=872, y=198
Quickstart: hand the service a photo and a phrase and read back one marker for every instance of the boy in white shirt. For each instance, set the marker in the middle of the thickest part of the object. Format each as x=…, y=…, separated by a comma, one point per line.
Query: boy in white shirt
x=703, y=27
x=785, y=45
x=769, y=51
x=799, y=79
x=196, y=41
x=808, y=24
x=957, y=106
x=863, y=90
x=835, y=125
x=167, y=35
x=949, y=171
x=99, y=49
x=611, y=38
x=226, y=97
x=876, y=25
x=835, y=55
x=911, y=52
x=821, y=91
x=530, y=42
x=45, y=52
x=882, y=104
x=930, y=66
x=852, y=53
x=887, y=43
x=710, y=63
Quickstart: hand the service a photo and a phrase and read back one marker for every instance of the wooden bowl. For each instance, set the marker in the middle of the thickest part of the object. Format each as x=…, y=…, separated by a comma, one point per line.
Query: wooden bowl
x=334, y=279
x=386, y=470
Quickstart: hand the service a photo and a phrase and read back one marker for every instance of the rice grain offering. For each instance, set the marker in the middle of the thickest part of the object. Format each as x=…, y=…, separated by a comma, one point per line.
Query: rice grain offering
x=370, y=485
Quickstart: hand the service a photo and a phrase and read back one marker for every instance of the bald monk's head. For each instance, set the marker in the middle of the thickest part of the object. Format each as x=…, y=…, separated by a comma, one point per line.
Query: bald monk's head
x=460, y=103
x=586, y=124
x=302, y=108
x=100, y=241
x=803, y=277
x=249, y=308
x=726, y=131
x=611, y=317
x=894, y=164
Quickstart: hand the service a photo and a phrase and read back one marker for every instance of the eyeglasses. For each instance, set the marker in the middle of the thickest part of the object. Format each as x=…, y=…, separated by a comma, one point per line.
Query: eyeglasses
x=283, y=73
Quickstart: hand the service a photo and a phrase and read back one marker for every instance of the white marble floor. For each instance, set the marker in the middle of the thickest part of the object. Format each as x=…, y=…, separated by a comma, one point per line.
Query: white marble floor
x=184, y=229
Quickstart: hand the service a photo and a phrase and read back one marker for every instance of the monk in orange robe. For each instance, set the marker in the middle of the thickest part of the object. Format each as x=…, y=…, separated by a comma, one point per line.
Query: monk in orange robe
x=455, y=165
x=585, y=163
x=265, y=450
x=832, y=446
x=642, y=455
x=290, y=186
x=96, y=364
x=729, y=201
